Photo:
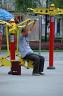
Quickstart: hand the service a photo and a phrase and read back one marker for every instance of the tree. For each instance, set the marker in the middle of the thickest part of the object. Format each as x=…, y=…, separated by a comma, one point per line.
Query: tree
x=22, y=5
x=58, y=3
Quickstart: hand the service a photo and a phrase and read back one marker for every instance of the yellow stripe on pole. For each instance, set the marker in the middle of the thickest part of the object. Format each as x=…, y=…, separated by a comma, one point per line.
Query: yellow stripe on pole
x=7, y=38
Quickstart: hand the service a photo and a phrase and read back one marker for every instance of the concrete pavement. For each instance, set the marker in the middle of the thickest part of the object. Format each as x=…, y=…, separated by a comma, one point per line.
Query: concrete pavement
x=50, y=84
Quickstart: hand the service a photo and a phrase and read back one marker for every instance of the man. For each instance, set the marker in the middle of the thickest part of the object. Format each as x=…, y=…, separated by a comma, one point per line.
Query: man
x=28, y=54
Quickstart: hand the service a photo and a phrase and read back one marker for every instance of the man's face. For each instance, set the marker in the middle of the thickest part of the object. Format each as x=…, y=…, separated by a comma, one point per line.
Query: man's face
x=25, y=32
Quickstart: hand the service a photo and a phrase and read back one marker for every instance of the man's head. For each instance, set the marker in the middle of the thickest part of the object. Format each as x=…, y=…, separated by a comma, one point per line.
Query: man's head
x=24, y=31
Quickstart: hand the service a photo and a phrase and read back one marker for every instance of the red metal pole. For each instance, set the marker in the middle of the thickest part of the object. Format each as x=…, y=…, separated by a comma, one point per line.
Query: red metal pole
x=15, y=65
x=12, y=46
x=51, y=43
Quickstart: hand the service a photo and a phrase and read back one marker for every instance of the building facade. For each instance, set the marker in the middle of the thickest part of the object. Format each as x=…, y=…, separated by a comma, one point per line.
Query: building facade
x=8, y=4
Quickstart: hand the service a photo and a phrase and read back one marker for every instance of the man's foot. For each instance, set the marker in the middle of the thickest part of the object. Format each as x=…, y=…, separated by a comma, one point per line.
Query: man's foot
x=35, y=74
x=10, y=72
x=41, y=73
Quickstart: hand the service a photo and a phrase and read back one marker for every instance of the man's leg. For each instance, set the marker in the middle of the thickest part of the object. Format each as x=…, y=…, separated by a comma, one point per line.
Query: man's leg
x=36, y=60
x=41, y=65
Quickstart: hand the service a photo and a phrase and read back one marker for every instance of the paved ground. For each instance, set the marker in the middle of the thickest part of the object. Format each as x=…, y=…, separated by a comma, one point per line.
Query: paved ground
x=50, y=84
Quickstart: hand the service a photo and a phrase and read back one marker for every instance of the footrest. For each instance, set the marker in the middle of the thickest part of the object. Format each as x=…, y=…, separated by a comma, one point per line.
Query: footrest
x=16, y=68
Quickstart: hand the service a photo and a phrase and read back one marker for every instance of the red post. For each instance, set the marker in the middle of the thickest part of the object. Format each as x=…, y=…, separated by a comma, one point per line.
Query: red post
x=51, y=43
x=15, y=65
x=12, y=46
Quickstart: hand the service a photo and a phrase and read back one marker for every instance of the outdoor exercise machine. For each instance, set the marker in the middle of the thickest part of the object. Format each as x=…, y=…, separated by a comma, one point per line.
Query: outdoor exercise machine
x=12, y=46
x=51, y=11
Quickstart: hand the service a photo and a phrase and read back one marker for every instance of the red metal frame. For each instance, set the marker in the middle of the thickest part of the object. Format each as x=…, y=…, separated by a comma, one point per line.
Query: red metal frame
x=51, y=43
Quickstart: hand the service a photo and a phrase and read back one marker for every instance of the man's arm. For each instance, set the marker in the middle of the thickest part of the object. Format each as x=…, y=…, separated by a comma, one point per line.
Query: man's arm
x=30, y=26
x=33, y=26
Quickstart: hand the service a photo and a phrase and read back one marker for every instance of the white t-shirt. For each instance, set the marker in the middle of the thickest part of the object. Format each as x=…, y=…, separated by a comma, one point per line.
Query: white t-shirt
x=24, y=47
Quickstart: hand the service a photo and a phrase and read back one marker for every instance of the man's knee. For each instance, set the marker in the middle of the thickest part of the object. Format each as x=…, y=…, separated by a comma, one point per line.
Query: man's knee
x=37, y=59
x=42, y=58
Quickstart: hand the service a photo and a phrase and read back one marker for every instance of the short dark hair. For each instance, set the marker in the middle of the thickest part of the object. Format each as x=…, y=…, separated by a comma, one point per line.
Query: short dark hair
x=24, y=29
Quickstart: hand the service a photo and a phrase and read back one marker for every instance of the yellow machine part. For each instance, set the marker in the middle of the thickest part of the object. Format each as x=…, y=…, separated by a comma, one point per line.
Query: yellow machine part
x=4, y=22
x=4, y=59
x=52, y=10
x=5, y=62
x=24, y=22
x=27, y=64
